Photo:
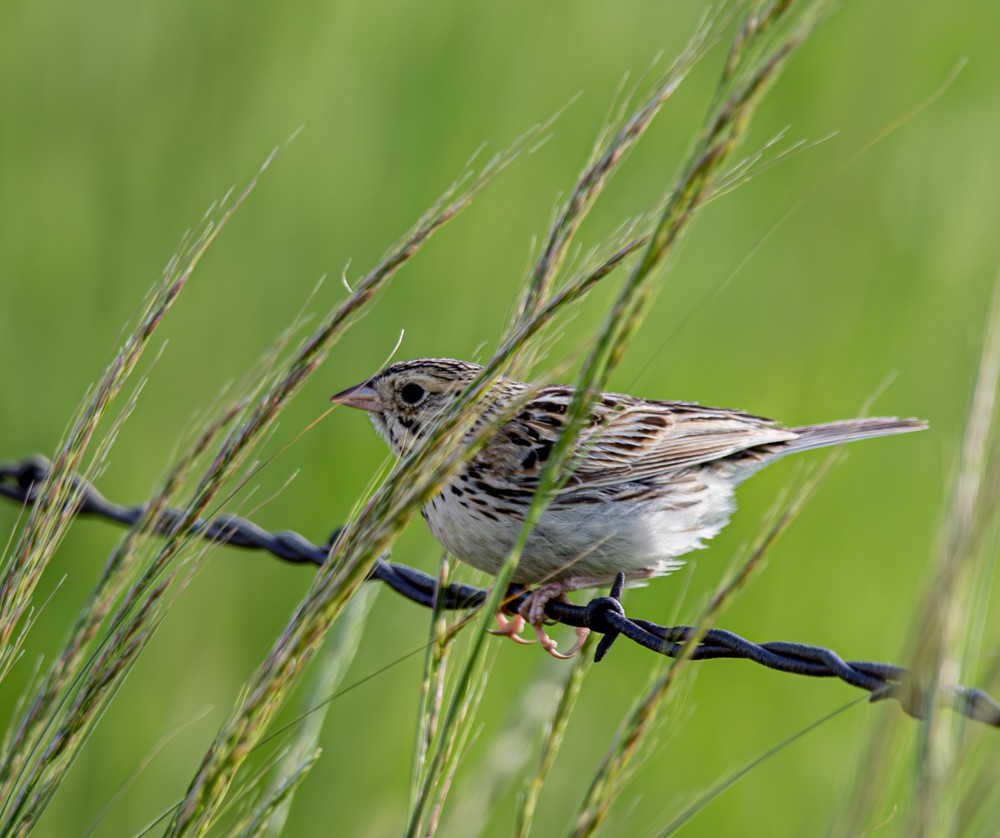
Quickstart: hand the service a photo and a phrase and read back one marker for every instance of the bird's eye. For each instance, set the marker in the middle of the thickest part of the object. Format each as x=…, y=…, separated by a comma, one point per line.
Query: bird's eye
x=412, y=393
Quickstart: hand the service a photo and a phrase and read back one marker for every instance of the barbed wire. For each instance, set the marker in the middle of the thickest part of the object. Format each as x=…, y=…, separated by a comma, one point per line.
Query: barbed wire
x=20, y=482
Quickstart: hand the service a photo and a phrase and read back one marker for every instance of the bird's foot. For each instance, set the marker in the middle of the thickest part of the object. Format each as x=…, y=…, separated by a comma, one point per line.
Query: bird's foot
x=511, y=628
x=534, y=611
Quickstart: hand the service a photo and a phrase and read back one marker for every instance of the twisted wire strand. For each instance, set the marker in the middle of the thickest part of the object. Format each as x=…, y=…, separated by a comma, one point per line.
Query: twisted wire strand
x=20, y=482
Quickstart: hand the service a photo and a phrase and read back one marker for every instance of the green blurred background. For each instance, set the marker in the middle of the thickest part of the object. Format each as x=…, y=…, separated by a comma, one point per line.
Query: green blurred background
x=122, y=121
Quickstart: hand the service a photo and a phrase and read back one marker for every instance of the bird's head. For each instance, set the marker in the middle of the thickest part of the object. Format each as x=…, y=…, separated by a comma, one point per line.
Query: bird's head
x=405, y=398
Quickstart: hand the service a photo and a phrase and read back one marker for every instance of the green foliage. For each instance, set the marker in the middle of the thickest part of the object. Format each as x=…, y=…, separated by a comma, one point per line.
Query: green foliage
x=833, y=264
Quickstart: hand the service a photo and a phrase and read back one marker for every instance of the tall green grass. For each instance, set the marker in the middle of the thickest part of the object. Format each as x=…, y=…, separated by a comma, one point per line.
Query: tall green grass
x=237, y=788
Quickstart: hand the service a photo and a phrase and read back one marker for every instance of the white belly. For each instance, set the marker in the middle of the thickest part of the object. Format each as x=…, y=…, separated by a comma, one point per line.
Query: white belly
x=638, y=529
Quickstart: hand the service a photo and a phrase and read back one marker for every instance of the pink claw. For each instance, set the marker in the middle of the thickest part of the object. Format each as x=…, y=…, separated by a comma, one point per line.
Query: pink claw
x=511, y=628
x=549, y=645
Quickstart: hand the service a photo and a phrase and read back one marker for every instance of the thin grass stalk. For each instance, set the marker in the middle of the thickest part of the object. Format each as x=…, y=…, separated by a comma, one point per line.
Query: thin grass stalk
x=136, y=619
x=979, y=773
x=302, y=730
x=548, y=480
x=976, y=773
x=455, y=741
x=301, y=752
x=248, y=798
x=728, y=782
x=47, y=711
x=552, y=742
x=348, y=567
x=944, y=626
x=417, y=478
x=602, y=368
x=501, y=762
x=432, y=683
x=100, y=684
x=350, y=560
x=605, y=164
x=148, y=758
x=266, y=818
x=961, y=559
x=725, y=129
x=462, y=695
x=86, y=705
x=67, y=704
x=974, y=781
x=387, y=506
x=41, y=711
x=52, y=512
x=605, y=786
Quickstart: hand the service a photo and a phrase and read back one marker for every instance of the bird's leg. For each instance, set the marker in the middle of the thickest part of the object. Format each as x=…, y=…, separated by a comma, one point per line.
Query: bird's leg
x=534, y=611
x=549, y=645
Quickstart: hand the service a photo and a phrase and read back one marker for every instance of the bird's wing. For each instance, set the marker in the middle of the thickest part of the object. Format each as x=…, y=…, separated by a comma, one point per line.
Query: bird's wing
x=625, y=440
x=640, y=440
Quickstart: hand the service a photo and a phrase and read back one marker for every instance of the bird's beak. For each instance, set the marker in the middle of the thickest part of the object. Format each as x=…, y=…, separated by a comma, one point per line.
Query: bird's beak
x=361, y=396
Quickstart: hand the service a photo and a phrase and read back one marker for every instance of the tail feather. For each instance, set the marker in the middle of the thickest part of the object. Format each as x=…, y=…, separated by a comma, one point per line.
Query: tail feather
x=848, y=430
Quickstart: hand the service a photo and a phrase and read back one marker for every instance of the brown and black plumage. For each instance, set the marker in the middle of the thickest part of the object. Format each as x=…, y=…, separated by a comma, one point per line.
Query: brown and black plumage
x=652, y=480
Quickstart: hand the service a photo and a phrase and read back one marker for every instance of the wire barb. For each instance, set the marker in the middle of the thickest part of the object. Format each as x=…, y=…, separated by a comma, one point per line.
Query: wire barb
x=20, y=482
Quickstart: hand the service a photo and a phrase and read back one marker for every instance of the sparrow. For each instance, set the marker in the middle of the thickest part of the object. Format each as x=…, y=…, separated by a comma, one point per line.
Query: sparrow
x=650, y=480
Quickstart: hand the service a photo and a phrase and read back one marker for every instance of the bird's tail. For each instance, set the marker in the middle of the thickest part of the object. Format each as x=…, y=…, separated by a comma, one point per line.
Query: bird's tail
x=848, y=430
